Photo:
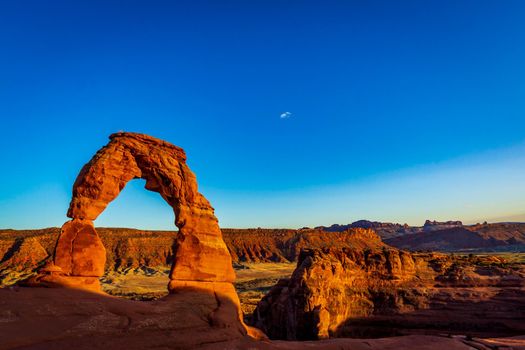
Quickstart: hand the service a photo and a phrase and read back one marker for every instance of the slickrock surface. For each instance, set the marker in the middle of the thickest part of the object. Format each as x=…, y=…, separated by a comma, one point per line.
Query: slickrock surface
x=59, y=318
x=386, y=292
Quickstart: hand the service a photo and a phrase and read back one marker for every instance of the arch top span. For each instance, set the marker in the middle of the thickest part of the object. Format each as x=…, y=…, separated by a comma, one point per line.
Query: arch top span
x=201, y=254
x=128, y=156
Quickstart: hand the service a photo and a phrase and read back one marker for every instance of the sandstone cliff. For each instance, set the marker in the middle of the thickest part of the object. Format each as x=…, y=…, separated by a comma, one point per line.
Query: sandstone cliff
x=271, y=245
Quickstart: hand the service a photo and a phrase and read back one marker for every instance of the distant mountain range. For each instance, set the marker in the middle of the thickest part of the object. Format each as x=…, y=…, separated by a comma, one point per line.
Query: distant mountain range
x=388, y=230
x=445, y=236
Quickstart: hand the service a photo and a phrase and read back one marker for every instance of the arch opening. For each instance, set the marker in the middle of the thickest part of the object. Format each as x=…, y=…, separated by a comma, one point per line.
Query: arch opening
x=139, y=209
x=139, y=249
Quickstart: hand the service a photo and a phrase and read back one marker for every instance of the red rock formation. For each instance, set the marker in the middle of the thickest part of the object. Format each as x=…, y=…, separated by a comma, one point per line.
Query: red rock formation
x=444, y=236
x=131, y=248
x=79, y=251
x=371, y=292
x=22, y=254
x=37, y=318
x=282, y=245
x=201, y=254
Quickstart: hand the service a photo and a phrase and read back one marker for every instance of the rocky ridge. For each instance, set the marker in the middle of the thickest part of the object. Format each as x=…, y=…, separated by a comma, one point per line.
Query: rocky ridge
x=445, y=235
x=479, y=237
x=131, y=248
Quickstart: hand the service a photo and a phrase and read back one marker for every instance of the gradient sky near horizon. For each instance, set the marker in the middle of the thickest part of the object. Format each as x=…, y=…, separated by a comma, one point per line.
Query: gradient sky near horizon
x=292, y=113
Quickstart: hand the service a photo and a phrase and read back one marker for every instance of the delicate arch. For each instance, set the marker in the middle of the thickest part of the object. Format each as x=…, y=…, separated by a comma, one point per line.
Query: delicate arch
x=201, y=254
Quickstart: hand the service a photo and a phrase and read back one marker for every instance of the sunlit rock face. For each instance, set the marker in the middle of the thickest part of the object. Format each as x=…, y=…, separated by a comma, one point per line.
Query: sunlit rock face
x=200, y=255
x=330, y=286
x=79, y=251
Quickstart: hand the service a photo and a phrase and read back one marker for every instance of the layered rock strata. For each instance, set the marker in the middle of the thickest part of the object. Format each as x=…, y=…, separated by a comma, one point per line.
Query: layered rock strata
x=131, y=248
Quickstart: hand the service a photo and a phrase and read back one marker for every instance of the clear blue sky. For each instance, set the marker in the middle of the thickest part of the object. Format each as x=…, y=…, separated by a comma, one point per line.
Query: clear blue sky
x=397, y=110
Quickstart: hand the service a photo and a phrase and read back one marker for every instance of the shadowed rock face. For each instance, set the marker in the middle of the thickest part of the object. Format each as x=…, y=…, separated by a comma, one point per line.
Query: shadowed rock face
x=385, y=292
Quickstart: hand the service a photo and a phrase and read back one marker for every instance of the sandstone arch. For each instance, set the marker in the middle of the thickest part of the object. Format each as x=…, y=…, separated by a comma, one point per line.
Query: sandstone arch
x=201, y=254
